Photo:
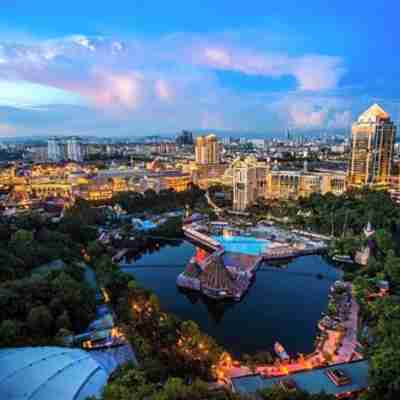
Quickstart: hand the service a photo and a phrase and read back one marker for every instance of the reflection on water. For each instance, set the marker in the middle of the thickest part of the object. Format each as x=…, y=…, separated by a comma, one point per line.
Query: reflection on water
x=283, y=304
x=216, y=309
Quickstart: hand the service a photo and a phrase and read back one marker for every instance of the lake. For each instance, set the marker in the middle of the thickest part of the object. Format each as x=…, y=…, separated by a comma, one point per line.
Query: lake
x=284, y=304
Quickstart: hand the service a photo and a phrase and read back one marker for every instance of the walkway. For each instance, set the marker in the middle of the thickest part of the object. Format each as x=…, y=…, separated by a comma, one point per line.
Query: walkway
x=349, y=342
x=344, y=352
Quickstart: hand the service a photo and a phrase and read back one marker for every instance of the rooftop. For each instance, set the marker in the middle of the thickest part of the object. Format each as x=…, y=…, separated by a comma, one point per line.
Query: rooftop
x=312, y=381
x=49, y=373
x=374, y=113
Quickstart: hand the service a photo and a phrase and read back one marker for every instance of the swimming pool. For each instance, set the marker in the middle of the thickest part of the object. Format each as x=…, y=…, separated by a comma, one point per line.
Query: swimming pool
x=243, y=244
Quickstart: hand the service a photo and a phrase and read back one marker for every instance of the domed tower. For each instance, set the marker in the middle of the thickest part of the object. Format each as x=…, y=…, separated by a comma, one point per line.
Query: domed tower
x=373, y=138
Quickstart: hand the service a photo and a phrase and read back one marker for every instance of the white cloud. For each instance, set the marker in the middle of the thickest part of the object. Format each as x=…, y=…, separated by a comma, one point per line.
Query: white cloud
x=312, y=72
x=170, y=83
x=306, y=117
x=116, y=89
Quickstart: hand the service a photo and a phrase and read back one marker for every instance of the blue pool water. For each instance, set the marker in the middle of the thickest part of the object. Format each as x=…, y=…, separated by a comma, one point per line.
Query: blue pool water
x=243, y=244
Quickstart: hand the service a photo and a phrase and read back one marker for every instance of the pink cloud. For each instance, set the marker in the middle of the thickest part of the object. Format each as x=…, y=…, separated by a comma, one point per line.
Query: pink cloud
x=117, y=89
x=6, y=130
x=163, y=90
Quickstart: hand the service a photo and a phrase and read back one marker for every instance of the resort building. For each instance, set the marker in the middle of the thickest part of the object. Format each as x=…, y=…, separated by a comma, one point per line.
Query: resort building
x=207, y=150
x=205, y=176
x=216, y=281
x=179, y=182
x=373, y=137
x=294, y=184
x=249, y=182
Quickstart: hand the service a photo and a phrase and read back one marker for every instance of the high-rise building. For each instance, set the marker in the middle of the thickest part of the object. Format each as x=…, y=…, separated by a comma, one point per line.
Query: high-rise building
x=249, y=182
x=184, y=138
x=54, y=149
x=65, y=149
x=74, y=149
x=207, y=150
x=373, y=137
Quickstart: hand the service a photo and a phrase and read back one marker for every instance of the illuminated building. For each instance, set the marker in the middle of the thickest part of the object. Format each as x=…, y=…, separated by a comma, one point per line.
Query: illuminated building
x=205, y=176
x=95, y=191
x=179, y=183
x=373, y=137
x=207, y=150
x=249, y=182
x=294, y=184
x=7, y=176
x=119, y=184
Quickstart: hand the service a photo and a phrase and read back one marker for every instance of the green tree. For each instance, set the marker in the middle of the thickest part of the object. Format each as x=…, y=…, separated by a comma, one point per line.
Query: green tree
x=40, y=320
x=131, y=383
x=63, y=321
x=8, y=332
x=23, y=236
x=392, y=268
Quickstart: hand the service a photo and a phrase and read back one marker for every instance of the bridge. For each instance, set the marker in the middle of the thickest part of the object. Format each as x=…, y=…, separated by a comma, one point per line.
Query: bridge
x=205, y=240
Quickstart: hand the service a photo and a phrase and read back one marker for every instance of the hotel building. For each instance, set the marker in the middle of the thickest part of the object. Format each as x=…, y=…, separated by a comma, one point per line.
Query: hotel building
x=249, y=182
x=290, y=185
x=373, y=137
x=207, y=150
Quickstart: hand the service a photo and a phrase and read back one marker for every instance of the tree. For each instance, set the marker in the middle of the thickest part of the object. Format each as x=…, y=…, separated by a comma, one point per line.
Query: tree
x=384, y=372
x=392, y=268
x=22, y=235
x=40, y=320
x=131, y=383
x=8, y=332
x=63, y=321
x=94, y=249
x=384, y=241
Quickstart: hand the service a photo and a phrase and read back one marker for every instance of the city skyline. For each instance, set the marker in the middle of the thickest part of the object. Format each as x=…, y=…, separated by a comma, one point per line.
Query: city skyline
x=252, y=70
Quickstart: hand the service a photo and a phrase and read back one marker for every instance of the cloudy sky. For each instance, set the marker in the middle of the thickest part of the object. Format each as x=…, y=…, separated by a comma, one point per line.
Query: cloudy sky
x=140, y=67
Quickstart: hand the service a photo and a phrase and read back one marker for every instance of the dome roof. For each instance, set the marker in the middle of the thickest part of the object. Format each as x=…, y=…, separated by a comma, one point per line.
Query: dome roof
x=50, y=373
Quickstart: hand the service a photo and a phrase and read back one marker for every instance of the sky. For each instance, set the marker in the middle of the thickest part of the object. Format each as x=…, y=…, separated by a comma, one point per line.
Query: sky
x=135, y=68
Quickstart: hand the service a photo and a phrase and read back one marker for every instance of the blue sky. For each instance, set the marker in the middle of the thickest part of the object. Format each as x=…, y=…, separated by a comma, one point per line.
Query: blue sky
x=139, y=67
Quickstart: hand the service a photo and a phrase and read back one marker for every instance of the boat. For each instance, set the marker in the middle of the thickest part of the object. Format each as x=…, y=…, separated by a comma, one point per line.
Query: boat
x=281, y=352
x=338, y=377
x=343, y=259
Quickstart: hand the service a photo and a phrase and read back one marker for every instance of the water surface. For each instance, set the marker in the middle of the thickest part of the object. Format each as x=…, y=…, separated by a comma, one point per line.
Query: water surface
x=283, y=304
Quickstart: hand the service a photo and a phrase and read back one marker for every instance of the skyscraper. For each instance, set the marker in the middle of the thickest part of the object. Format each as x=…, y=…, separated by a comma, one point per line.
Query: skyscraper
x=249, y=182
x=54, y=149
x=207, y=150
x=74, y=149
x=184, y=138
x=373, y=137
x=65, y=149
